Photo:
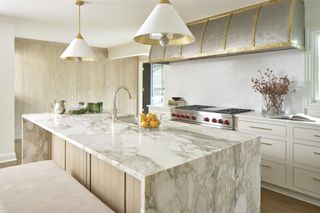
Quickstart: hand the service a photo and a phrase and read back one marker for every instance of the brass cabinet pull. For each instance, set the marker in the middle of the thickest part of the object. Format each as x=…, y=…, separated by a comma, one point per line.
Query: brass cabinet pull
x=256, y=127
x=268, y=144
x=318, y=136
x=316, y=179
x=316, y=153
x=266, y=166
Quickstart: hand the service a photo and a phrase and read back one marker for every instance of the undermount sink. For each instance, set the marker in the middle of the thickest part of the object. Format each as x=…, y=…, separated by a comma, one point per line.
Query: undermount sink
x=128, y=119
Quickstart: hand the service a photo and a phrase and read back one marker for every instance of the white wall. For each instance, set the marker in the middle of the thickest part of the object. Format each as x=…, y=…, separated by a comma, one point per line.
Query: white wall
x=7, y=90
x=226, y=81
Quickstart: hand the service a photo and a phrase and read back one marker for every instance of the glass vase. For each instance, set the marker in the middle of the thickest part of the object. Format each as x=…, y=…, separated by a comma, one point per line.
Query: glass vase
x=273, y=105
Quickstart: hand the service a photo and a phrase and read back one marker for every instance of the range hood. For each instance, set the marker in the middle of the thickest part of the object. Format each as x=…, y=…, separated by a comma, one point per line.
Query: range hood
x=272, y=25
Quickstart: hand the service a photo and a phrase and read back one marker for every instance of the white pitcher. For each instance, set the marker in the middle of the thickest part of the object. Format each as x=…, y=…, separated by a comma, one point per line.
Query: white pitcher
x=58, y=106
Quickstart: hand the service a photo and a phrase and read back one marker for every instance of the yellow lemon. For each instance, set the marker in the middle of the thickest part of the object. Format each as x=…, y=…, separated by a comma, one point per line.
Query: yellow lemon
x=154, y=124
x=153, y=117
x=143, y=117
x=149, y=115
x=144, y=124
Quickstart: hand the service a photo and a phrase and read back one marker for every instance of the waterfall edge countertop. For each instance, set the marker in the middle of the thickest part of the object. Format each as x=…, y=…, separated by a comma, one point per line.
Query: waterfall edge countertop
x=139, y=152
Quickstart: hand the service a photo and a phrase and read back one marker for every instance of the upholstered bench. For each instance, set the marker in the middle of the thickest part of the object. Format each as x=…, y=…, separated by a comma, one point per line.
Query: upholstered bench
x=43, y=187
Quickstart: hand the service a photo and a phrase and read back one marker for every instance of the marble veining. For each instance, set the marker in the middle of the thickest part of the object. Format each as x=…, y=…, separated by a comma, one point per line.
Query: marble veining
x=181, y=167
x=137, y=151
x=36, y=143
x=226, y=182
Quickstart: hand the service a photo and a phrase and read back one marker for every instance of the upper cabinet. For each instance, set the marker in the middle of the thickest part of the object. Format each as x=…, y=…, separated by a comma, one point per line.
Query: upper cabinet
x=272, y=25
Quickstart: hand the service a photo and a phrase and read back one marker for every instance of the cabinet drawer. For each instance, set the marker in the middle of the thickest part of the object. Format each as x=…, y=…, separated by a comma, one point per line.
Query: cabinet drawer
x=307, y=180
x=306, y=134
x=273, y=148
x=305, y=154
x=263, y=128
x=272, y=172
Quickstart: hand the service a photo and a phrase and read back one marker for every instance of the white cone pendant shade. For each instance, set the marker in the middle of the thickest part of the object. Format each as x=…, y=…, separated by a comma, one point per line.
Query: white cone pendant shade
x=164, y=27
x=78, y=50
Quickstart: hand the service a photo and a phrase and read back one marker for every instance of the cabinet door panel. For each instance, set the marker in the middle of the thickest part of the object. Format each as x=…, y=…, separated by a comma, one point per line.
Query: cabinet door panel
x=273, y=148
x=306, y=134
x=272, y=172
x=308, y=155
x=263, y=128
x=108, y=184
x=133, y=195
x=77, y=164
x=307, y=180
x=58, y=151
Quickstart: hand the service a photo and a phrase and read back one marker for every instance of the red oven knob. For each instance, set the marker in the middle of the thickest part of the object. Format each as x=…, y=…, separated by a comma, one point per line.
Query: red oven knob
x=188, y=117
x=193, y=117
x=226, y=122
x=220, y=121
x=183, y=116
x=178, y=115
x=173, y=114
x=214, y=120
x=206, y=119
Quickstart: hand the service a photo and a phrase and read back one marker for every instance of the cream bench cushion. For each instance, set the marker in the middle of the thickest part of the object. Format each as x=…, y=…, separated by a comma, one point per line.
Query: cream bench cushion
x=43, y=187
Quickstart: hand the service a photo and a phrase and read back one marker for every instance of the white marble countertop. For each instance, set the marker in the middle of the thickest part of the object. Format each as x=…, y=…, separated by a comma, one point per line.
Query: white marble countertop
x=260, y=116
x=139, y=152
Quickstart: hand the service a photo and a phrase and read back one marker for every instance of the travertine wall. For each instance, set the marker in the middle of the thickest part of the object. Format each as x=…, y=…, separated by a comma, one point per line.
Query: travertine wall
x=41, y=76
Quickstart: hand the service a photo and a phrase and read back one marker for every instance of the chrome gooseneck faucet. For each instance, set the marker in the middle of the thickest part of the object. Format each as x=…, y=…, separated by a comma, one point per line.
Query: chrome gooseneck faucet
x=114, y=109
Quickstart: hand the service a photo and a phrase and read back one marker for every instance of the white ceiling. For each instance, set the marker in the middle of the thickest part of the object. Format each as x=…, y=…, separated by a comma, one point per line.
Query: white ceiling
x=105, y=23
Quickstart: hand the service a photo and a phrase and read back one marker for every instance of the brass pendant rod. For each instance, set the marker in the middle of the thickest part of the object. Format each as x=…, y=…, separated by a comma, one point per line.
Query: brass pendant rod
x=79, y=16
x=79, y=3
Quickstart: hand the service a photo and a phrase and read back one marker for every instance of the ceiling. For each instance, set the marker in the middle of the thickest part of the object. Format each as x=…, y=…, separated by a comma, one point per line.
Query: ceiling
x=105, y=23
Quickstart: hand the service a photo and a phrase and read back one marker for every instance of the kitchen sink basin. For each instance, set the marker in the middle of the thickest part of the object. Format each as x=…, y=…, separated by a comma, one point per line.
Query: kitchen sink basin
x=128, y=119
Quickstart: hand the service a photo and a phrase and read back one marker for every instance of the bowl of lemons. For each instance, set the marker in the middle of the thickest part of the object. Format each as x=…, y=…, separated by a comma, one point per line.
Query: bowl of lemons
x=149, y=120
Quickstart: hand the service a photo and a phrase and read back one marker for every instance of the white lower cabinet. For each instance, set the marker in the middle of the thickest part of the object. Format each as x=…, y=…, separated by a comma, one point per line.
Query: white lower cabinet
x=273, y=148
x=307, y=180
x=273, y=172
x=305, y=154
x=290, y=153
x=307, y=134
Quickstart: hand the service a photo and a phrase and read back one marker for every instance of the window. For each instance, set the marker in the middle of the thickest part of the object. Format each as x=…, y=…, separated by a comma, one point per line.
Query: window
x=156, y=84
x=313, y=71
x=317, y=65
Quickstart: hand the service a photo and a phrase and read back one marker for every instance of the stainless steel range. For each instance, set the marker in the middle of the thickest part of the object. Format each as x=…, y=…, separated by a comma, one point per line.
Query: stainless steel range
x=218, y=117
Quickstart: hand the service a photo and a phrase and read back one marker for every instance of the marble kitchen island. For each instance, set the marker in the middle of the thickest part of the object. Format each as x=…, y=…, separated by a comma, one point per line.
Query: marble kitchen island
x=176, y=168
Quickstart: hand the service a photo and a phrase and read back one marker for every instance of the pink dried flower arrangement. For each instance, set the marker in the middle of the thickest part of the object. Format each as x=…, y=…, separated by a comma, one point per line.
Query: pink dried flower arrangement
x=272, y=88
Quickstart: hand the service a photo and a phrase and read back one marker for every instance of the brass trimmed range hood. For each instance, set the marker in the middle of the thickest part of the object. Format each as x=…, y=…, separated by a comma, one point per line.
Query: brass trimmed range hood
x=272, y=25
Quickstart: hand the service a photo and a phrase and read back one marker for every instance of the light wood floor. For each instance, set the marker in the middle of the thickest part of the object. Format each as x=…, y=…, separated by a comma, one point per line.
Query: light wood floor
x=271, y=202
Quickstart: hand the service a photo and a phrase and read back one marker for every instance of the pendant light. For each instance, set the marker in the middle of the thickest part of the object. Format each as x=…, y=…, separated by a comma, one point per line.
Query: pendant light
x=78, y=50
x=164, y=27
